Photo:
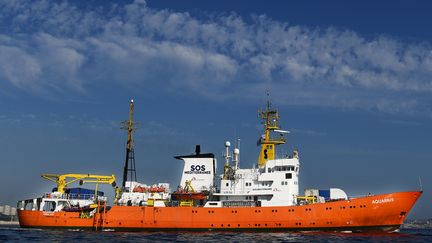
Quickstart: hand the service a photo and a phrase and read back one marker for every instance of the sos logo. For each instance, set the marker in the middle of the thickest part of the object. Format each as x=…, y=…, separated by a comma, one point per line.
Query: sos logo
x=198, y=168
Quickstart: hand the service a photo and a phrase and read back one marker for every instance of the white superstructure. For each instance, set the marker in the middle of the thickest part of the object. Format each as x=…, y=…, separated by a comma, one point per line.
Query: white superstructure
x=199, y=169
x=275, y=184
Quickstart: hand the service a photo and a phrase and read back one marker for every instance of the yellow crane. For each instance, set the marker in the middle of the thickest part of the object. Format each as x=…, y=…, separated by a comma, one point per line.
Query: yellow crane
x=64, y=180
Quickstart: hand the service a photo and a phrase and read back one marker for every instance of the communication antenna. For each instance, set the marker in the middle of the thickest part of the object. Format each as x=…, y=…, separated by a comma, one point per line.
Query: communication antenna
x=129, y=166
x=268, y=99
x=238, y=153
x=268, y=140
x=420, y=183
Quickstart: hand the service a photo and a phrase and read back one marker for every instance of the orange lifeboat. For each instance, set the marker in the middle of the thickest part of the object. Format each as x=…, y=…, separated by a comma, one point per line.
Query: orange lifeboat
x=157, y=189
x=140, y=189
x=148, y=189
x=189, y=193
x=182, y=195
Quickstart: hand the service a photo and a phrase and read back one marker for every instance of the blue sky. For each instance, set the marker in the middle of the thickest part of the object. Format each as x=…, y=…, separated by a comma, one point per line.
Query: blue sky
x=352, y=82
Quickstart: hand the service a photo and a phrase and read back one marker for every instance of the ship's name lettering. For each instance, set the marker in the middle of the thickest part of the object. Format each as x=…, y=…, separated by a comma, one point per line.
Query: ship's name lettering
x=384, y=200
x=197, y=169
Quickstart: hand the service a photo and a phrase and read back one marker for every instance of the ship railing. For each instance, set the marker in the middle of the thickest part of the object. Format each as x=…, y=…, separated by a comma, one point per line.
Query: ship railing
x=75, y=196
x=52, y=195
x=173, y=204
x=184, y=203
x=357, y=196
x=241, y=204
x=304, y=200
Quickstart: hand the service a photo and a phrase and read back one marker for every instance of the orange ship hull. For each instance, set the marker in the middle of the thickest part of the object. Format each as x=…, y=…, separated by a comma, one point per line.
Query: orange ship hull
x=385, y=212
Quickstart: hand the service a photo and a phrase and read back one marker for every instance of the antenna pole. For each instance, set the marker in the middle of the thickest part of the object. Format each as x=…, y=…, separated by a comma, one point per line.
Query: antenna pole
x=268, y=141
x=238, y=155
x=129, y=165
x=268, y=100
x=420, y=183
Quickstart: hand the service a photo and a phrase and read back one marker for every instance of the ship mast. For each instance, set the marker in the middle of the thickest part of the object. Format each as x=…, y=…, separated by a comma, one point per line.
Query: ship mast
x=268, y=141
x=129, y=166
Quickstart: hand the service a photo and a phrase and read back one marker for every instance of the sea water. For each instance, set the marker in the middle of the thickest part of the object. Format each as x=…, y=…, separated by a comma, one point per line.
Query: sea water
x=17, y=234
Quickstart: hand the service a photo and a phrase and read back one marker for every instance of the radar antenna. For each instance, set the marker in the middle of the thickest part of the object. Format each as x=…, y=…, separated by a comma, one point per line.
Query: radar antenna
x=269, y=140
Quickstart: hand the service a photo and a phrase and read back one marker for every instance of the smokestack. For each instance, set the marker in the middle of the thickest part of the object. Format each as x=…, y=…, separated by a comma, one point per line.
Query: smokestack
x=197, y=149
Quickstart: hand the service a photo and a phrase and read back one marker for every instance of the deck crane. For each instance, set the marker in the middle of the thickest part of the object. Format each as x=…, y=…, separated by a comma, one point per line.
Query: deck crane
x=64, y=180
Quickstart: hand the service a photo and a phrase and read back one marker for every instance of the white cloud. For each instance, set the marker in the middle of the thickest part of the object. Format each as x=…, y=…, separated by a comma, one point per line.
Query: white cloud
x=19, y=67
x=308, y=132
x=58, y=47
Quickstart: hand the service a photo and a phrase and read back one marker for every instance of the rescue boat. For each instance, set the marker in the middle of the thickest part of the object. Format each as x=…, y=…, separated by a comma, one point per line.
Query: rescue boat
x=263, y=198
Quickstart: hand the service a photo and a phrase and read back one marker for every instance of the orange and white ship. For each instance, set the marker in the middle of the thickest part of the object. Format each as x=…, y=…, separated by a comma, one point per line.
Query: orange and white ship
x=263, y=198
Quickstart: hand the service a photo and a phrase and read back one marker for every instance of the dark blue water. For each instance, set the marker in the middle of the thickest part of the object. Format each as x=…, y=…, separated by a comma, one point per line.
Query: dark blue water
x=16, y=234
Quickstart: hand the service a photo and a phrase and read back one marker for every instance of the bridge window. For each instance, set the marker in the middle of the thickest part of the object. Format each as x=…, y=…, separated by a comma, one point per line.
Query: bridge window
x=28, y=205
x=62, y=203
x=49, y=206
